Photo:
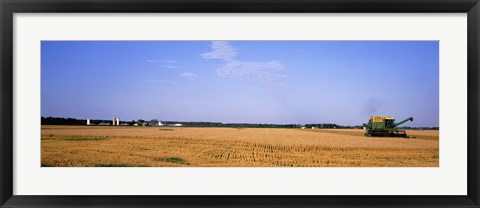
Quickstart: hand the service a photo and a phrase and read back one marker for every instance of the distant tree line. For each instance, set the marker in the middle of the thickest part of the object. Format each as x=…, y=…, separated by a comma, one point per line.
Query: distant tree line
x=70, y=121
x=62, y=121
x=233, y=125
x=154, y=122
x=419, y=128
x=331, y=126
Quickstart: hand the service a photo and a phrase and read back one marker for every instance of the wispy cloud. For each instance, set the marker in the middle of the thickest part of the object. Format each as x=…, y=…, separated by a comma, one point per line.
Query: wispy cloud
x=169, y=64
x=160, y=81
x=221, y=50
x=189, y=75
x=268, y=72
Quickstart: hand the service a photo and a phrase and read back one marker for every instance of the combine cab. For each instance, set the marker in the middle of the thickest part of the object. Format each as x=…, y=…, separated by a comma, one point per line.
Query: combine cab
x=385, y=126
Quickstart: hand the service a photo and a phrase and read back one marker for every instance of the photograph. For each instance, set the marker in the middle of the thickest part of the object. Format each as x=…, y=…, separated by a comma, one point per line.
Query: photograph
x=276, y=103
x=239, y=103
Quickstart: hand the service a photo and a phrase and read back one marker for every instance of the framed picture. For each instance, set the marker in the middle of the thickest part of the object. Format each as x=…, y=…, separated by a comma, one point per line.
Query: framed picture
x=239, y=104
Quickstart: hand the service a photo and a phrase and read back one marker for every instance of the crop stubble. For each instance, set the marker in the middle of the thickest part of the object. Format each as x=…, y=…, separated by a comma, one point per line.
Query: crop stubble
x=81, y=146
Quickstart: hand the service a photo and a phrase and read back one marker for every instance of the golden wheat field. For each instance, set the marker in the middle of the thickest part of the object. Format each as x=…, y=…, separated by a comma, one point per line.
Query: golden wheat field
x=116, y=146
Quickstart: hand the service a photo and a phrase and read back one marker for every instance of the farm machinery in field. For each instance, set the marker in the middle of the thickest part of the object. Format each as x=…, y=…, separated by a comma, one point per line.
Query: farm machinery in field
x=385, y=126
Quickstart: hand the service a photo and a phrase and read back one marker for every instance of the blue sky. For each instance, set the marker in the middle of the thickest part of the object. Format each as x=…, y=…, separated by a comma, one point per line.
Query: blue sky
x=342, y=82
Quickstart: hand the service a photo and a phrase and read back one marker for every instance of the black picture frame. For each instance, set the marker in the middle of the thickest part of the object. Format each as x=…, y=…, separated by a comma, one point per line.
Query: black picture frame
x=9, y=7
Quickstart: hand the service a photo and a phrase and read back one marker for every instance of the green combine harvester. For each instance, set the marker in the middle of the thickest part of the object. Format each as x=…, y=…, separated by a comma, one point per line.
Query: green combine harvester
x=385, y=126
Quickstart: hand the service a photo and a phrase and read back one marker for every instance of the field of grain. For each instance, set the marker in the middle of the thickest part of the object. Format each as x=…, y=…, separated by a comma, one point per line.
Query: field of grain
x=116, y=146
